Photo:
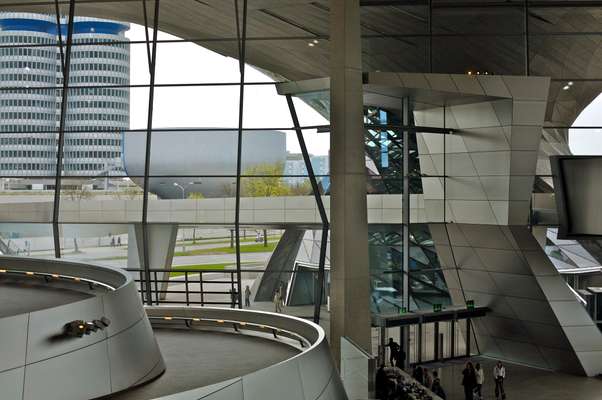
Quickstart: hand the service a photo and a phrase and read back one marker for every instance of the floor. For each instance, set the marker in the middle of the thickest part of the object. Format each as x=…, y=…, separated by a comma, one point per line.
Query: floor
x=521, y=382
x=200, y=358
x=18, y=296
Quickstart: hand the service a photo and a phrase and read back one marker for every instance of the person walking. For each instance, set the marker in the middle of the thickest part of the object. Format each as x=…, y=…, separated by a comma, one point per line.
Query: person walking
x=394, y=351
x=499, y=374
x=247, y=296
x=480, y=375
x=469, y=380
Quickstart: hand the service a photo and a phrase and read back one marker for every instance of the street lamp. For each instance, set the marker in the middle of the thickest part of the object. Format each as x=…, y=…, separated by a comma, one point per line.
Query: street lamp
x=181, y=188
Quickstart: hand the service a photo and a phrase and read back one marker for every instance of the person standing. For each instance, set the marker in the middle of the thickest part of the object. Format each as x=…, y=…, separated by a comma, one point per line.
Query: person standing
x=282, y=295
x=436, y=387
x=428, y=379
x=394, y=350
x=232, y=299
x=469, y=380
x=499, y=374
x=418, y=374
x=381, y=383
x=247, y=296
x=480, y=379
x=277, y=301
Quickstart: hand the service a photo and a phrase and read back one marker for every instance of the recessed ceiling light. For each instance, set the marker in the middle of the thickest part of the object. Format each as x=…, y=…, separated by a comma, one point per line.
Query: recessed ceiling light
x=567, y=87
x=570, y=83
x=316, y=41
x=310, y=44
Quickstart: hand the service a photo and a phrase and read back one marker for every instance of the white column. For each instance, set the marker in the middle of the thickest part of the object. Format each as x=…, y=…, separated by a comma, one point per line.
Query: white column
x=350, y=285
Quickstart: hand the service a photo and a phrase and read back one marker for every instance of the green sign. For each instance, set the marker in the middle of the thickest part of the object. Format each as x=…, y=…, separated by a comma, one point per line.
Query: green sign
x=437, y=307
x=470, y=304
x=403, y=310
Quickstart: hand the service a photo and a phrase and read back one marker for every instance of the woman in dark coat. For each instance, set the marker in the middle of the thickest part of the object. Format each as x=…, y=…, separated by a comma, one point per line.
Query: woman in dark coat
x=469, y=380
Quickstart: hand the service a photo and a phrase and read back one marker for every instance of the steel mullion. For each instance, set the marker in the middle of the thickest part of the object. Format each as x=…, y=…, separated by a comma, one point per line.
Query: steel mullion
x=147, y=159
x=526, y=34
x=241, y=63
x=320, y=204
x=61, y=138
x=60, y=34
x=406, y=202
x=148, y=50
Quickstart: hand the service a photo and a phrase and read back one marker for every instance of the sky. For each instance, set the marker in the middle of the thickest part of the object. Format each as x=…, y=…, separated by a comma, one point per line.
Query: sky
x=187, y=107
x=211, y=106
x=587, y=141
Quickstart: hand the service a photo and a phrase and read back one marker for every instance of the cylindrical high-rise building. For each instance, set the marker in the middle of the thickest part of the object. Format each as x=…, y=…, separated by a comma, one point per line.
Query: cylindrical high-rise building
x=29, y=58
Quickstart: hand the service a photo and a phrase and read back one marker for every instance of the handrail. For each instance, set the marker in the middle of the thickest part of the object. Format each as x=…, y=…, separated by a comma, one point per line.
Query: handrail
x=48, y=276
x=311, y=371
x=109, y=277
x=39, y=338
x=299, y=327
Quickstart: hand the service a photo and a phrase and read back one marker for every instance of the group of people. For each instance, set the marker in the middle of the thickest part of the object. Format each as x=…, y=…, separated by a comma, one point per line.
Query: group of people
x=473, y=378
x=431, y=381
x=391, y=385
x=388, y=388
x=113, y=243
x=234, y=297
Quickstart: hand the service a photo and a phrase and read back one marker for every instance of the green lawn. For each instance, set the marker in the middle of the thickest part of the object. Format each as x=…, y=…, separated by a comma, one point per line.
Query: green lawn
x=251, y=248
x=221, y=266
x=225, y=240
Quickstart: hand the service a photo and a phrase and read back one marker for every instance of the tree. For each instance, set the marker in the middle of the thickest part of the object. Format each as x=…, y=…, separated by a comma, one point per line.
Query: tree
x=129, y=192
x=195, y=196
x=264, y=180
x=77, y=193
x=301, y=189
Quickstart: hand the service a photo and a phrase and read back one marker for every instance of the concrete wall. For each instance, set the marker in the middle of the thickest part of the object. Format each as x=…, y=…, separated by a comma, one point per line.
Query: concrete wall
x=219, y=211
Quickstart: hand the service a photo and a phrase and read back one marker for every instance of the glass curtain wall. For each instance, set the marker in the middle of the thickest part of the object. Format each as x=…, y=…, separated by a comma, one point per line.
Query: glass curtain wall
x=118, y=136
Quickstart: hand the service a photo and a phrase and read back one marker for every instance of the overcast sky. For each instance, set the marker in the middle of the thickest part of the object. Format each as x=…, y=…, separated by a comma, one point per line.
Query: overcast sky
x=218, y=106
x=588, y=141
x=211, y=106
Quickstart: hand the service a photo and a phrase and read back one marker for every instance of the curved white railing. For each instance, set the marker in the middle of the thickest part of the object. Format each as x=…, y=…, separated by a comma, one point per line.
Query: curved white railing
x=37, y=359
x=309, y=375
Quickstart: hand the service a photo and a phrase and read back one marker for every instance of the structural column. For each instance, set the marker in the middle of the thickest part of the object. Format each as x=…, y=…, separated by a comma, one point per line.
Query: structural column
x=161, y=246
x=350, y=278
